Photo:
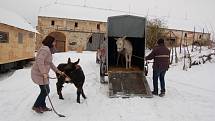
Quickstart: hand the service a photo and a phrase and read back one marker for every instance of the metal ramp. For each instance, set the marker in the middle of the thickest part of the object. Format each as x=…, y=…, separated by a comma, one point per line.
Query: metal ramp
x=127, y=84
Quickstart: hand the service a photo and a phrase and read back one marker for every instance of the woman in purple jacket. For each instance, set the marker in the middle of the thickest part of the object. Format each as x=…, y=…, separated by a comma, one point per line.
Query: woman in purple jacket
x=160, y=54
x=40, y=70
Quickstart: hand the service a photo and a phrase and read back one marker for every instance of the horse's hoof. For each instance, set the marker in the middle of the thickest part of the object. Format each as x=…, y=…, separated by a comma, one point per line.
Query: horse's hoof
x=61, y=98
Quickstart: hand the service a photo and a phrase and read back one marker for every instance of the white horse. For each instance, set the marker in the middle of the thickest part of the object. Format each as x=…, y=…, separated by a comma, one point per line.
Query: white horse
x=124, y=47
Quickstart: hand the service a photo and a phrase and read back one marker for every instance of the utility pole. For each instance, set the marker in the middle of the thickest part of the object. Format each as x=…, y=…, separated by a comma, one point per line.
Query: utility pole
x=84, y=3
x=129, y=10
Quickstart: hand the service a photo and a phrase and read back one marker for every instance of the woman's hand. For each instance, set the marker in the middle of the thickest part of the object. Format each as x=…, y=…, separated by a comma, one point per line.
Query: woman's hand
x=45, y=76
x=60, y=72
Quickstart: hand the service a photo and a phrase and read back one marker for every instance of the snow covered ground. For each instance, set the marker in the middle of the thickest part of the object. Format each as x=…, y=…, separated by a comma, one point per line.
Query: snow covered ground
x=189, y=97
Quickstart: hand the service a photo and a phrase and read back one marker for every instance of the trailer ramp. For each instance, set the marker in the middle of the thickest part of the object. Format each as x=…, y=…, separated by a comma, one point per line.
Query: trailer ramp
x=127, y=84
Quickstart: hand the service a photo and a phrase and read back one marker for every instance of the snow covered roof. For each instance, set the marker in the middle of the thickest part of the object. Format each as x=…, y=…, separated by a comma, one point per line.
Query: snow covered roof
x=186, y=25
x=13, y=19
x=100, y=14
x=79, y=12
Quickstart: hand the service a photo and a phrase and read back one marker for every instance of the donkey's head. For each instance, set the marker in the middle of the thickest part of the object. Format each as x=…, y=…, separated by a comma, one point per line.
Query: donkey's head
x=71, y=66
x=120, y=43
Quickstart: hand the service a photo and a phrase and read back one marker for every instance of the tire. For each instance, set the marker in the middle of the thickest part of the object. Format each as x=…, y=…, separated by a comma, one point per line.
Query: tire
x=102, y=73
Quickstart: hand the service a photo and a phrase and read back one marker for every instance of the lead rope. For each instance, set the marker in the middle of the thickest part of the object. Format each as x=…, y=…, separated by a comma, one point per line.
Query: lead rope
x=60, y=76
x=146, y=68
x=60, y=115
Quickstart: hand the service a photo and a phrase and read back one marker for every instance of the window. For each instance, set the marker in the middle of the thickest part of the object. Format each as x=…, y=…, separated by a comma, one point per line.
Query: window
x=200, y=36
x=20, y=38
x=31, y=35
x=172, y=40
x=90, y=40
x=4, y=37
x=76, y=24
x=73, y=43
x=185, y=35
x=52, y=23
x=98, y=26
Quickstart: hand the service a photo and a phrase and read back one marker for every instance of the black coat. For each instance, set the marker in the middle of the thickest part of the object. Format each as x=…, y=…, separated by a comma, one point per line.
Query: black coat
x=161, y=55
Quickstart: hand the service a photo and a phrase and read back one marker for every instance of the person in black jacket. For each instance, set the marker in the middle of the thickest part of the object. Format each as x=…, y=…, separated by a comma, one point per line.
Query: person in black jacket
x=160, y=54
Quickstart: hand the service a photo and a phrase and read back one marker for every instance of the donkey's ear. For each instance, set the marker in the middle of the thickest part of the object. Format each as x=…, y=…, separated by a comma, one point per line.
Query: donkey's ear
x=77, y=62
x=69, y=60
x=123, y=37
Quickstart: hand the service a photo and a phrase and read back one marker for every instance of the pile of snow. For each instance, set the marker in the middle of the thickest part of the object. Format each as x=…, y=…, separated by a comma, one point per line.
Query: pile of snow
x=206, y=55
x=189, y=96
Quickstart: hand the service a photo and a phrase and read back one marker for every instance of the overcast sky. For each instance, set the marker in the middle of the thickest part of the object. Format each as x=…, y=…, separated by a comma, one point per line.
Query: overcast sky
x=194, y=10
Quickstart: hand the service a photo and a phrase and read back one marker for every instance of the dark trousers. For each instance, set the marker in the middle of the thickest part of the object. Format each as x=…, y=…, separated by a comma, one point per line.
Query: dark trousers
x=159, y=73
x=44, y=91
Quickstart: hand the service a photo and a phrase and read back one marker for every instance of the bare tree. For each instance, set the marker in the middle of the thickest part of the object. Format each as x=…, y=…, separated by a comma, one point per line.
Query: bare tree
x=176, y=56
x=201, y=41
x=154, y=31
x=184, y=66
x=181, y=41
x=186, y=53
x=171, y=44
x=193, y=39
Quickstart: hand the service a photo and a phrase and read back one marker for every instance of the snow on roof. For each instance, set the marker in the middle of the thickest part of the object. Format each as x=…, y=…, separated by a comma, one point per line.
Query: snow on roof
x=13, y=19
x=101, y=14
x=79, y=12
x=186, y=25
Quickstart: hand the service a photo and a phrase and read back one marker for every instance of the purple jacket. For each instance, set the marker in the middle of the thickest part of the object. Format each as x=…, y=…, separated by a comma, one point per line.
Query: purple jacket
x=160, y=54
x=42, y=65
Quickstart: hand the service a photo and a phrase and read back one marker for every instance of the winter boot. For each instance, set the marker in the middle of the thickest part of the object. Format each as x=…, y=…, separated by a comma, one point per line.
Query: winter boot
x=154, y=93
x=162, y=94
x=37, y=109
x=46, y=109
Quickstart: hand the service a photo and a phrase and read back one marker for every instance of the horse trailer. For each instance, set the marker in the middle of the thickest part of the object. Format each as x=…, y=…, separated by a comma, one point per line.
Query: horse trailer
x=122, y=81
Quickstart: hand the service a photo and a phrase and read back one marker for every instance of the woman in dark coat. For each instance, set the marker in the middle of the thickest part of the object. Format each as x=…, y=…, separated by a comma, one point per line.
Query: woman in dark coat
x=40, y=73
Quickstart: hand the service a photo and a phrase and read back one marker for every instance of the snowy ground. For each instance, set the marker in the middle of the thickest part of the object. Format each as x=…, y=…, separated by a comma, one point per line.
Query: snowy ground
x=189, y=97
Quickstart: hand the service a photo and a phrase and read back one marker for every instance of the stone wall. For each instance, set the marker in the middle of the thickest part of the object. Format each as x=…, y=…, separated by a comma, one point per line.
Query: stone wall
x=183, y=35
x=77, y=32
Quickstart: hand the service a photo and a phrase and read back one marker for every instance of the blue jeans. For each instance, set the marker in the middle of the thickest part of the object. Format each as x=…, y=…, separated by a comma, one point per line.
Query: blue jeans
x=159, y=73
x=44, y=91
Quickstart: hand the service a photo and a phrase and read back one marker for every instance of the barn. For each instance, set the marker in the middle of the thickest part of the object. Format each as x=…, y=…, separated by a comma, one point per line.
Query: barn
x=84, y=28
x=74, y=27
x=17, y=40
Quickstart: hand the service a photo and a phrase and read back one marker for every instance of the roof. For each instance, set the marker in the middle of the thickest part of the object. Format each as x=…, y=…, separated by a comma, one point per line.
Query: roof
x=186, y=25
x=79, y=12
x=13, y=19
x=101, y=14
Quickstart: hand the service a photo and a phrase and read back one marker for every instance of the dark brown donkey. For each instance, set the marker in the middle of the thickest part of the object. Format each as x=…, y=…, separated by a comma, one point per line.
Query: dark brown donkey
x=73, y=74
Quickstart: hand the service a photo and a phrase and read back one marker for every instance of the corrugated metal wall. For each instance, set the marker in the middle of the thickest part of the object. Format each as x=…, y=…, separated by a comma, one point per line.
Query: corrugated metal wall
x=95, y=41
